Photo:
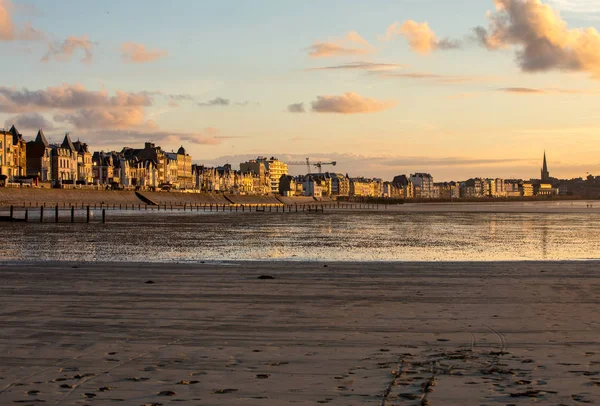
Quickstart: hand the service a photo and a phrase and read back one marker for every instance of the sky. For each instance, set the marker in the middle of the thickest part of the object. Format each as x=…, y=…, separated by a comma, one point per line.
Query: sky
x=457, y=89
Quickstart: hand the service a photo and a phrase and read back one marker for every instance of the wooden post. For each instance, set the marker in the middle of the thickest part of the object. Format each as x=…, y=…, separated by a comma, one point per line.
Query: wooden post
x=42, y=214
x=243, y=207
x=56, y=214
x=72, y=214
x=88, y=214
x=12, y=212
x=26, y=215
x=103, y=216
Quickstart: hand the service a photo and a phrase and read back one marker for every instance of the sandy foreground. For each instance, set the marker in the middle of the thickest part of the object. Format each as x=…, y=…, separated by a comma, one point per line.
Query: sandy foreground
x=339, y=334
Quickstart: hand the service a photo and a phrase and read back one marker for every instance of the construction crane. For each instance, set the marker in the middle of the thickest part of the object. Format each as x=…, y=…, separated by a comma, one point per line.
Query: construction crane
x=308, y=164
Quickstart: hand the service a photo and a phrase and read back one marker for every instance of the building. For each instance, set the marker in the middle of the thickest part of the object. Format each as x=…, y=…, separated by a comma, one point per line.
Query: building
x=270, y=168
x=360, y=187
x=404, y=183
x=64, y=161
x=340, y=184
x=472, y=188
x=545, y=174
x=287, y=186
x=84, y=163
x=313, y=186
x=527, y=189
x=423, y=185
x=19, y=155
x=6, y=156
x=39, y=158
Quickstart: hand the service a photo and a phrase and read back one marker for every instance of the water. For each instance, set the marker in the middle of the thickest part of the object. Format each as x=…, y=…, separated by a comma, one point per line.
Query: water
x=417, y=233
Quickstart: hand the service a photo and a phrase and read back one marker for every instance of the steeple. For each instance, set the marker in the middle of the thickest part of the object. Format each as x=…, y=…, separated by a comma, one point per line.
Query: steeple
x=545, y=173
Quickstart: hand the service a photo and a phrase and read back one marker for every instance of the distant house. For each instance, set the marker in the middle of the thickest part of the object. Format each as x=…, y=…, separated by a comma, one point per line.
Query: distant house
x=39, y=158
x=423, y=185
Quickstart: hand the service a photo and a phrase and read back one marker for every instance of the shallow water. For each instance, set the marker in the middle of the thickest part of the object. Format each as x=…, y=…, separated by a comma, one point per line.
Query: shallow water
x=445, y=234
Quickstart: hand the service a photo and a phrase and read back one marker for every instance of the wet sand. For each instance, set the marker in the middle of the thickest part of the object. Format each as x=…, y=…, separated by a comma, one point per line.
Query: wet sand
x=341, y=334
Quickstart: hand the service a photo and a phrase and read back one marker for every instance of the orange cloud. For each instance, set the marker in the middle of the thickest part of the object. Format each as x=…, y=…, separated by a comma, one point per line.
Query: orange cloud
x=351, y=44
x=7, y=29
x=63, y=51
x=420, y=36
x=137, y=53
x=543, y=38
x=8, y=32
x=350, y=103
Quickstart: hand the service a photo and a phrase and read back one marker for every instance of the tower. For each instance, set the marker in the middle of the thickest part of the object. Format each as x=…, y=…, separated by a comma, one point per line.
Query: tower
x=545, y=173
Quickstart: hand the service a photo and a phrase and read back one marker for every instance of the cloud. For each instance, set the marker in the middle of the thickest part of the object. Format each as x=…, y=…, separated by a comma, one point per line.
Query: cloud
x=351, y=44
x=296, y=108
x=550, y=91
x=350, y=103
x=123, y=117
x=543, y=40
x=8, y=31
x=420, y=36
x=432, y=77
x=67, y=96
x=577, y=6
x=137, y=53
x=217, y=101
x=63, y=51
x=132, y=138
x=367, y=66
x=32, y=121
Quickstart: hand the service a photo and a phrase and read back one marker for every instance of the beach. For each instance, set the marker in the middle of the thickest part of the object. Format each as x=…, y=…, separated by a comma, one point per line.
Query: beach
x=306, y=333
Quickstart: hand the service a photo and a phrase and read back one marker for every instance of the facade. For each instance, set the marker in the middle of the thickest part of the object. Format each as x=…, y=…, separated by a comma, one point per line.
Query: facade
x=84, y=163
x=423, y=185
x=39, y=158
x=313, y=187
x=404, y=183
x=6, y=156
x=19, y=153
x=360, y=187
x=340, y=184
x=64, y=161
x=270, y=168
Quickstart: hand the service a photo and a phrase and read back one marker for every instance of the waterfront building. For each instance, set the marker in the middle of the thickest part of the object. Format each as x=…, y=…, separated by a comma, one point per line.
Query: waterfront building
x=360, y=187
x=64, y=161
x=6, y=157
x=270, y=168
x=404, y=183
x=287, y=186
x=84, y=163
x=39, y=161
x=313, y=186
x=527, y=189
x=545, y=189
x=512, y=187
x=340, y=184
x=423, y=185
x=472, y=188
x=19, y=154
x=448, y=190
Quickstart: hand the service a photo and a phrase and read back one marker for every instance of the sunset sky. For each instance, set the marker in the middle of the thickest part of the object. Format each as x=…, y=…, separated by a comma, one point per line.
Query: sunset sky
x=455, y=88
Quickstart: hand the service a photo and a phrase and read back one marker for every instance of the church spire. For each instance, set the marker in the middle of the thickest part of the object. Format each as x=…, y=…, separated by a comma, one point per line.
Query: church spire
x=545, y=173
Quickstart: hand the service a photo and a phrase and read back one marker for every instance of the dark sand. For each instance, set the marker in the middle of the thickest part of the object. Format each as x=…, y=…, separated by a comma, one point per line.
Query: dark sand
x=345, y=334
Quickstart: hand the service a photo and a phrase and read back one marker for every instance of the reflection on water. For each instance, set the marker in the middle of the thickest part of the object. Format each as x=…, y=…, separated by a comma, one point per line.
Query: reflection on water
x=333, y=236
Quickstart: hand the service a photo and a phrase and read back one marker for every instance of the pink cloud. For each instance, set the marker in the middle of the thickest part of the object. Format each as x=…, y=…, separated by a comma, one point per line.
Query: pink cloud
x=137, y=53
x=351, y=44
x=350, y=103
x=64, y=50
